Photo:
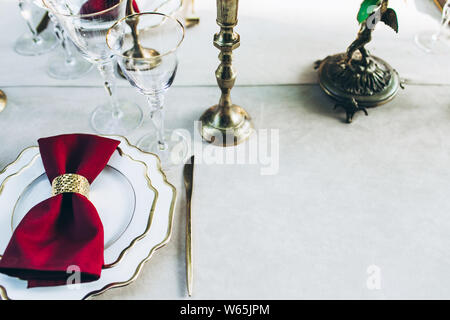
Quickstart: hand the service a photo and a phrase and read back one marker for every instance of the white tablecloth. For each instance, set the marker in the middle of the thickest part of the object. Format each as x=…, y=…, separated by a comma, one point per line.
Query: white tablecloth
x=346, y=198
x=279, y=43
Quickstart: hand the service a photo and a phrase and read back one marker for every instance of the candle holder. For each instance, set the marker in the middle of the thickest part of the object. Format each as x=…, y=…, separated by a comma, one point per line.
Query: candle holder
x=357, y=80
x=226, y=124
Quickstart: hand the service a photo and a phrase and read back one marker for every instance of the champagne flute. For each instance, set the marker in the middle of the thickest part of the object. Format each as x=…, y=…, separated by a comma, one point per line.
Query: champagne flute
x=152, y=75
x=436, y=41
x=86, y=23
x=33, y=43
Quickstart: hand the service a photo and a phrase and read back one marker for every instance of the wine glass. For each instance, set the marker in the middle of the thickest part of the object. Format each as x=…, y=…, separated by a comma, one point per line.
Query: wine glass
x=66, y=64
x=35, y=42
x=151, y=74
x=436, y=41
x=168, y=7
x=86, y=23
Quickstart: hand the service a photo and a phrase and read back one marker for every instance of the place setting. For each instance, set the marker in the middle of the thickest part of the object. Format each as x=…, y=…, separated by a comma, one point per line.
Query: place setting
x=87, y=211
x=131, y=194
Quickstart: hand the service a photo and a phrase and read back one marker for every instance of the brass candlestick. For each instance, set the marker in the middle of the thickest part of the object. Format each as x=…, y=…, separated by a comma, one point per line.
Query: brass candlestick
x=226, y=124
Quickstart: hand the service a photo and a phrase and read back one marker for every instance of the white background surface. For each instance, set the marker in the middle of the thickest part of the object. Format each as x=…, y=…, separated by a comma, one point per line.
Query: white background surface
x=346, y=196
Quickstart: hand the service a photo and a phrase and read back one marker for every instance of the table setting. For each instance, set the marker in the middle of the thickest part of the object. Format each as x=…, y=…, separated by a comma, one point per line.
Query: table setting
x=171, y=149
x=144, y=206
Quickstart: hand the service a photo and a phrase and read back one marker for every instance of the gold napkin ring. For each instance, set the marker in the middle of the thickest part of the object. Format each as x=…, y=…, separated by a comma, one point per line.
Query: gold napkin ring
x=70, y=183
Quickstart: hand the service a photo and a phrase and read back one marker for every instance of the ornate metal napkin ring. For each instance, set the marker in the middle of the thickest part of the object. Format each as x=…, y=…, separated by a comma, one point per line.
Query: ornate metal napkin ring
x=70, y=183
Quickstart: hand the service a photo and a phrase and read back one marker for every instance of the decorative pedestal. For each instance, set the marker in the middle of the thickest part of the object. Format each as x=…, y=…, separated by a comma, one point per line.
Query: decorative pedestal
x=356, y=86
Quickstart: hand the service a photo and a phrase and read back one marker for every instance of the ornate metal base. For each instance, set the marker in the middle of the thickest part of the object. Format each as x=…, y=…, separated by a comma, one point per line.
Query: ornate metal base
x=362, y=83
x=226, y=126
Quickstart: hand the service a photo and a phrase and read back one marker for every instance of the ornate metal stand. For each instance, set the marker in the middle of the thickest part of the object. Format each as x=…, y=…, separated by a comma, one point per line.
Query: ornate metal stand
x=356, y=79
x=226, y=124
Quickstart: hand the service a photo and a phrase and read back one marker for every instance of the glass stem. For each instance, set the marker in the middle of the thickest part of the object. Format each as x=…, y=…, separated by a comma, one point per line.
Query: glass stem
x=109, y=80
x=59, y=32
x=26, y=14
x=156, y=103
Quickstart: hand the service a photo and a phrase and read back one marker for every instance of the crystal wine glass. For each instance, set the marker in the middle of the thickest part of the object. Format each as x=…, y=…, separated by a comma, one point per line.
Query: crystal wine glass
x=151, y=74
x=86, y=23
x=33, y=43
x=66, y=64
x=168, y=7
x=436, y=41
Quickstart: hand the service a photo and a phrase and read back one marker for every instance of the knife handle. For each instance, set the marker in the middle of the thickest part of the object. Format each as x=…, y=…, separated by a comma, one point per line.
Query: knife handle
x=189, y=262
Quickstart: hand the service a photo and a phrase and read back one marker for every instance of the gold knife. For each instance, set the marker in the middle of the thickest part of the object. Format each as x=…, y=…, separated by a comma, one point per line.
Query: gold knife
x=188, y=179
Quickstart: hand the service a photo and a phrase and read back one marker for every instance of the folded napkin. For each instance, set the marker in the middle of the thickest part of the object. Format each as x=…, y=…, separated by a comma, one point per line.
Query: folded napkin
x=64, y=230
x=93, y=6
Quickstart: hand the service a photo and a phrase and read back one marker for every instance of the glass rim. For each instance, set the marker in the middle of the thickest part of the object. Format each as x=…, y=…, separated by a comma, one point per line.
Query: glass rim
x=49, y=7
x=183, y=32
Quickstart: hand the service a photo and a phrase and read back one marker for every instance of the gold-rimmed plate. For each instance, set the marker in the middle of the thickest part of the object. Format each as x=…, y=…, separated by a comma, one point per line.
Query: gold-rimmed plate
x=122, y=193
x=157, y=232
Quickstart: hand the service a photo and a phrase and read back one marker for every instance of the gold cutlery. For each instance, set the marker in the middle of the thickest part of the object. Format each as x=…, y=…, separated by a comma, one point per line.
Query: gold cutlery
x=3, y=100
x=188, y=182
x=192, y=19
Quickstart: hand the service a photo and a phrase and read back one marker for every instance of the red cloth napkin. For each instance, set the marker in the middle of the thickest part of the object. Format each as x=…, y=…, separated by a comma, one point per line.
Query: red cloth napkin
x=64, y=230
x=93, y=6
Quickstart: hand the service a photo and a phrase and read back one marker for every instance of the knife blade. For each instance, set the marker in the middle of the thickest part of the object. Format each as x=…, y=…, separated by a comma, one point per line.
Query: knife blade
x=188, y=174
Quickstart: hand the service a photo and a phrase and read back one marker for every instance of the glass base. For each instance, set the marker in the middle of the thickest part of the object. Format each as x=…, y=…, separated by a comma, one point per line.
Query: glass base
x=26, y=46
x=175, y=153
x=105, y=122
x=427, y=42
x=59, y=68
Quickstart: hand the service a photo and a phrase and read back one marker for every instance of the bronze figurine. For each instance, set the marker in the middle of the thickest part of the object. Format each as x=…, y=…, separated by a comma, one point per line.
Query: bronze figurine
x=385, y=14
x=356, y=79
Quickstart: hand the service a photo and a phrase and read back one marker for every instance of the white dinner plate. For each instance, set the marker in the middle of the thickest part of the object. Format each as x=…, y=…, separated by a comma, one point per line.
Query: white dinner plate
x=134, y=201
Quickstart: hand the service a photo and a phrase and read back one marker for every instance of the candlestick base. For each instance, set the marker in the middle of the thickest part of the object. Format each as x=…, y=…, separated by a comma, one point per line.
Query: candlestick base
x=226, y=126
